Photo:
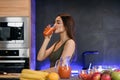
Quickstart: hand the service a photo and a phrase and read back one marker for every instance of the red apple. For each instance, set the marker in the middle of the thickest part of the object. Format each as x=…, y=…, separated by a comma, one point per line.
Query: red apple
x=84, y=75
x=105, y=77
x=96, y=76
x=117, y=70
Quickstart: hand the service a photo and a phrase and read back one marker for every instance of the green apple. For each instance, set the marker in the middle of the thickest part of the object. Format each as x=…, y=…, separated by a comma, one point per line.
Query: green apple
x=115, y=75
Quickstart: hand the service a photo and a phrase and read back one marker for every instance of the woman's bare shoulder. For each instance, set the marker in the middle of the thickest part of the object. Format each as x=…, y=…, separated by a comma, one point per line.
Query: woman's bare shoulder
x=70, y=41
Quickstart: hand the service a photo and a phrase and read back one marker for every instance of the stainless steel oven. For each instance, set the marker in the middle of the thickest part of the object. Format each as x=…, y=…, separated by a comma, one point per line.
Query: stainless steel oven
x=14, y=60
x=14, y=32
x=14, y=43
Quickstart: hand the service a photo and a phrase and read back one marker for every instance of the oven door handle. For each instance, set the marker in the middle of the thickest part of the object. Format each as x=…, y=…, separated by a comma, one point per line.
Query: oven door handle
x=12, y=61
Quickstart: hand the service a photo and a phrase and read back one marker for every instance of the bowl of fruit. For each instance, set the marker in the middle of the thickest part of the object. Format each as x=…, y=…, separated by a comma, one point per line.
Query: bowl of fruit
x=103, y=75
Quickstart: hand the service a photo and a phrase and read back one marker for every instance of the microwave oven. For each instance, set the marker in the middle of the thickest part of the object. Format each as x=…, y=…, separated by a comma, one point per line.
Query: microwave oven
x=14, y=32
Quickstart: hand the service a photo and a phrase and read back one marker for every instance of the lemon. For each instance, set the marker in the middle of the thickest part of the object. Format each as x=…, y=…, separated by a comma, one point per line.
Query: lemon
x=53, y=76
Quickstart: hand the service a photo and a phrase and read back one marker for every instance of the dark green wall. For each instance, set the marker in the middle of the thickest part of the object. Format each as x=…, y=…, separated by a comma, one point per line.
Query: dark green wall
x=97, y=26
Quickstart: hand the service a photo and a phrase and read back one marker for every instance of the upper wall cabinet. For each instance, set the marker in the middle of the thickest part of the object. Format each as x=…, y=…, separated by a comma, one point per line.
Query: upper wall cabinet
x=15, y=7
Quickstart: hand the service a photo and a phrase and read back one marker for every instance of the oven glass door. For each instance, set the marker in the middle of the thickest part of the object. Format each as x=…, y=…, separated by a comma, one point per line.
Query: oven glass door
x=11, y=32
x=13, y=65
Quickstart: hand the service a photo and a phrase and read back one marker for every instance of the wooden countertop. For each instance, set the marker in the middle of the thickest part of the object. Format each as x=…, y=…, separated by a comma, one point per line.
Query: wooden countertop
x=17, y=75
x=10, y=75
x=54, y=70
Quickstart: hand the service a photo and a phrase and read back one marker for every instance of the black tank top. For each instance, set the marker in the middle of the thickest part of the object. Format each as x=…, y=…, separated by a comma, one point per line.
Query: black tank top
x=55, y=55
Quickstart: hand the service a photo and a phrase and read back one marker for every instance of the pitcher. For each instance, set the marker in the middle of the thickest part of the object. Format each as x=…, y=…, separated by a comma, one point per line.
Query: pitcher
x=64, y=68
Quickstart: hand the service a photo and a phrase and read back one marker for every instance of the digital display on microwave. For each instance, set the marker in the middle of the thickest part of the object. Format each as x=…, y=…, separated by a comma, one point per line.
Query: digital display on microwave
x=11, y=31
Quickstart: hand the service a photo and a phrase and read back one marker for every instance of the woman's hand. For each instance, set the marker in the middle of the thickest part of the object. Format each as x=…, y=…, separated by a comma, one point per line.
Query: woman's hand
x=46, y=30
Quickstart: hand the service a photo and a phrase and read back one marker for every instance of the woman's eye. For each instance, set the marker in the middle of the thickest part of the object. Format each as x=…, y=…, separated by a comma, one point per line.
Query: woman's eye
x=58, y=23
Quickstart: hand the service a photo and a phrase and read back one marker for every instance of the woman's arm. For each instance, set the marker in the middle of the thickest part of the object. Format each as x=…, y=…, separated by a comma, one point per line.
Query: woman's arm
x=44, y=52
x=69, y=49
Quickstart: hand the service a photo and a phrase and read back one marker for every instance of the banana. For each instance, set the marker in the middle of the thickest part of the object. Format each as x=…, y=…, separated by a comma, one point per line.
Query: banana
x=30, y=79
x=33, y=72
x=28, y=74
x=31, y=76
x=25, y=79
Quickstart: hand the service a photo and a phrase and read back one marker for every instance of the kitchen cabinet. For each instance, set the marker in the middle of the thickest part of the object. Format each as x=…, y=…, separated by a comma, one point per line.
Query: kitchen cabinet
x=15, y=7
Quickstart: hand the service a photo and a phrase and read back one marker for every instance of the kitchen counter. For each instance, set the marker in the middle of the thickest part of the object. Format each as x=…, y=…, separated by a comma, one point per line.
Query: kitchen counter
x=54, y=70
x=16, y=76
x=72, y=78
x=10, y=76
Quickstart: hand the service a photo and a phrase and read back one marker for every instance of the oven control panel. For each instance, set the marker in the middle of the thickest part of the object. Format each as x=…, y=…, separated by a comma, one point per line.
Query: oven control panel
x=14, y=53
x=9, y=52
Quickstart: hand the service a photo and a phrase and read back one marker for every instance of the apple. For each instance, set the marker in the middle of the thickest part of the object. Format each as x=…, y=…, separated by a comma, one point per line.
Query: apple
x=96, y=76
x=83, y=75
x=105, y=76
x=115, y=75
x=117, y=70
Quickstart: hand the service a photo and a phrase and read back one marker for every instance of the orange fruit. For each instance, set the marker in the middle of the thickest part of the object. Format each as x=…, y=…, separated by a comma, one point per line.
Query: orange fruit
x=53, y=76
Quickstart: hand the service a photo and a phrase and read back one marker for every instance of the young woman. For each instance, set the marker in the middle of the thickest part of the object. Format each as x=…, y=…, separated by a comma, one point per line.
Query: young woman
x=65, y=46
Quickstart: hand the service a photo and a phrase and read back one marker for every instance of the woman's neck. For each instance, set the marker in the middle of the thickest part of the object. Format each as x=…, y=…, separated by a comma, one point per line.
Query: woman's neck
x=63, y=37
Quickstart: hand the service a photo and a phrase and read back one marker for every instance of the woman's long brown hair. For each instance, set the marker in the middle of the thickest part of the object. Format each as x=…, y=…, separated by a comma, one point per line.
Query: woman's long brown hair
x=69, y=24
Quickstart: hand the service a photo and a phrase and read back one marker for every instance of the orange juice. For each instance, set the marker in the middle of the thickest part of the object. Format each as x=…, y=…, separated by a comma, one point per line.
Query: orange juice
x=48, y=31
x=64, y=72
